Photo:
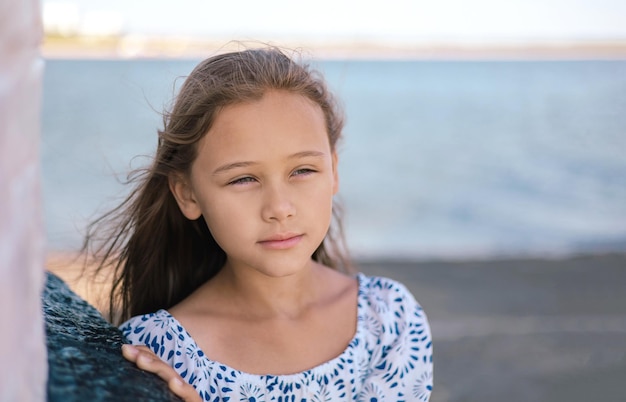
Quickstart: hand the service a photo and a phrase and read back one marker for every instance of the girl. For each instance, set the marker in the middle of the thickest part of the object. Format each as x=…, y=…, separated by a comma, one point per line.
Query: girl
x=227, y=267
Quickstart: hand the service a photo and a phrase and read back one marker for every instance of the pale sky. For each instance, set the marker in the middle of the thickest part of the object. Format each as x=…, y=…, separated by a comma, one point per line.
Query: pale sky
x=411, y=21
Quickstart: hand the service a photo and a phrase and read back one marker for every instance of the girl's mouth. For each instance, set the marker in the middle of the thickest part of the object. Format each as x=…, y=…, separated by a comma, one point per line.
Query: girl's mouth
x=281, y=241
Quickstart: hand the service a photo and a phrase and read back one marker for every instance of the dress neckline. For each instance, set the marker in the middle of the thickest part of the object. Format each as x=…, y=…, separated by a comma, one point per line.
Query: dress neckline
x=319, y=369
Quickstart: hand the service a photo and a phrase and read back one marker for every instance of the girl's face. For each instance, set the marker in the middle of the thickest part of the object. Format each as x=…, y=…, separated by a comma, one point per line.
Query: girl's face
x=264, y=181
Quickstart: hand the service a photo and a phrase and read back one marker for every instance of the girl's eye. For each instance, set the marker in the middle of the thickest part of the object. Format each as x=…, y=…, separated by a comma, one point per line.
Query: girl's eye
x=303, y=172
x=242, y=180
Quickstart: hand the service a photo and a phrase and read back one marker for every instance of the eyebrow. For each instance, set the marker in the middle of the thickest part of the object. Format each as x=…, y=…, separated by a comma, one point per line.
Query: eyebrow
x=230, y=166
x=297, y=155
x=305, y=154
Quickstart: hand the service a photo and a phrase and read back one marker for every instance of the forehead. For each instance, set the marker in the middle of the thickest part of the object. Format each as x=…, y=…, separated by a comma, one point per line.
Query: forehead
x=279, y=124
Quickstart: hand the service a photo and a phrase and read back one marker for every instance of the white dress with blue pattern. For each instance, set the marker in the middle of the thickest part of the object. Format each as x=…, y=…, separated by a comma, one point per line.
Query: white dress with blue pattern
x=389, y=358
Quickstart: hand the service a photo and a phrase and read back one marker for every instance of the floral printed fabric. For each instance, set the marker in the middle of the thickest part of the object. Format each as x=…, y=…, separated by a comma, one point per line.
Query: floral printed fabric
x=389, y=358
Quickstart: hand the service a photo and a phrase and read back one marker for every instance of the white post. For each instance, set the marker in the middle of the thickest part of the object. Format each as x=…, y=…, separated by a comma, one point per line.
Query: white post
x=23, y=362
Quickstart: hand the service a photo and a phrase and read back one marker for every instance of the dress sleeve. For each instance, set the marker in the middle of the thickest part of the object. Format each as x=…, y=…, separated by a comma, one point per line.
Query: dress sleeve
x=170, y=342
x=152, y=330
x=401, y=365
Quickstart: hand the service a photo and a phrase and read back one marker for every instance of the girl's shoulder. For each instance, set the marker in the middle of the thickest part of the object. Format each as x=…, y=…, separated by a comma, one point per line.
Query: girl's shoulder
x=167, y=338
x=397, y=338
x=159, y=330
x=160, y=319
x=387, y=309
x=378, y=292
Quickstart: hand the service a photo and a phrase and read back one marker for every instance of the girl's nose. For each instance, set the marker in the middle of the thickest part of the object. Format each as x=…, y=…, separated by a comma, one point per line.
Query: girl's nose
x=277, y=204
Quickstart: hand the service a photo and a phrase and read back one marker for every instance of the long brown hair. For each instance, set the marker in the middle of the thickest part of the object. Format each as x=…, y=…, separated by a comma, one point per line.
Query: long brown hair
x=157, y=256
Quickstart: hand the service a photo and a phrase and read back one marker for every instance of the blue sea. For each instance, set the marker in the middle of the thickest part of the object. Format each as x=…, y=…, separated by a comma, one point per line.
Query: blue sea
x=441, y=159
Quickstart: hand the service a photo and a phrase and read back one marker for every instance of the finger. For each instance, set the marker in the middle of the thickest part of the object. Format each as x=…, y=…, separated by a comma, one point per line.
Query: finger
x=149, y=362
x=130, y=352
x=146, y=360
x=185, y=391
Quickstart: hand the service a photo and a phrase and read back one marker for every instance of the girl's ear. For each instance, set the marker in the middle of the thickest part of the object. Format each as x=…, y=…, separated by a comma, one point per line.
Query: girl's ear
x=335, y=173
x=183, y=193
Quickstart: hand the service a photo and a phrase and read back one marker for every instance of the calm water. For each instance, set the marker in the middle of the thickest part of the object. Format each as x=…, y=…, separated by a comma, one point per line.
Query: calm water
x=440, y=159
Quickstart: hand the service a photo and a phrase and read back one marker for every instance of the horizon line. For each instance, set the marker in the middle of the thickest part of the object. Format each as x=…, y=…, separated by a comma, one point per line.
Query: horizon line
x=151, y=47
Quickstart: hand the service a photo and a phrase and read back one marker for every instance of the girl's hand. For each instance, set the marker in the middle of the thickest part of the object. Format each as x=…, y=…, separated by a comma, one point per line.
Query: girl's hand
x=146, y=360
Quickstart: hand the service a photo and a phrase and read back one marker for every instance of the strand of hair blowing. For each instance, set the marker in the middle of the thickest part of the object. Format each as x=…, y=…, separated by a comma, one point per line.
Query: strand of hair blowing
x=156, y=256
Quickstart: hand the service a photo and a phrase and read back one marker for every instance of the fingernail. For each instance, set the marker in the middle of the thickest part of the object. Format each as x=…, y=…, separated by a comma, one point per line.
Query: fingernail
x=130, y=349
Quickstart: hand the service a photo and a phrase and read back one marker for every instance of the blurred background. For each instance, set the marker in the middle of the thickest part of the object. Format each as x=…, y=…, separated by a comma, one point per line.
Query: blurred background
x=484, y=161
x=474, y=129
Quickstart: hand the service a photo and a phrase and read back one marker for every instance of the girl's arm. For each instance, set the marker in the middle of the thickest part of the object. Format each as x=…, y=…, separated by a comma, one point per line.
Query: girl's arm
x=146, y=360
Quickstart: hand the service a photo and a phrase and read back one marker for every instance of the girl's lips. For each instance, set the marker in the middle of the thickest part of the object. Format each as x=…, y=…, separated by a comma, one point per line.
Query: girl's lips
x=281, y=242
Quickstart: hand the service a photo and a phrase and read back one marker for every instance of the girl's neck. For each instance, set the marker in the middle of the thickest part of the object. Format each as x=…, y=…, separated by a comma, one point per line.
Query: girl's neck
x=261, y=296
